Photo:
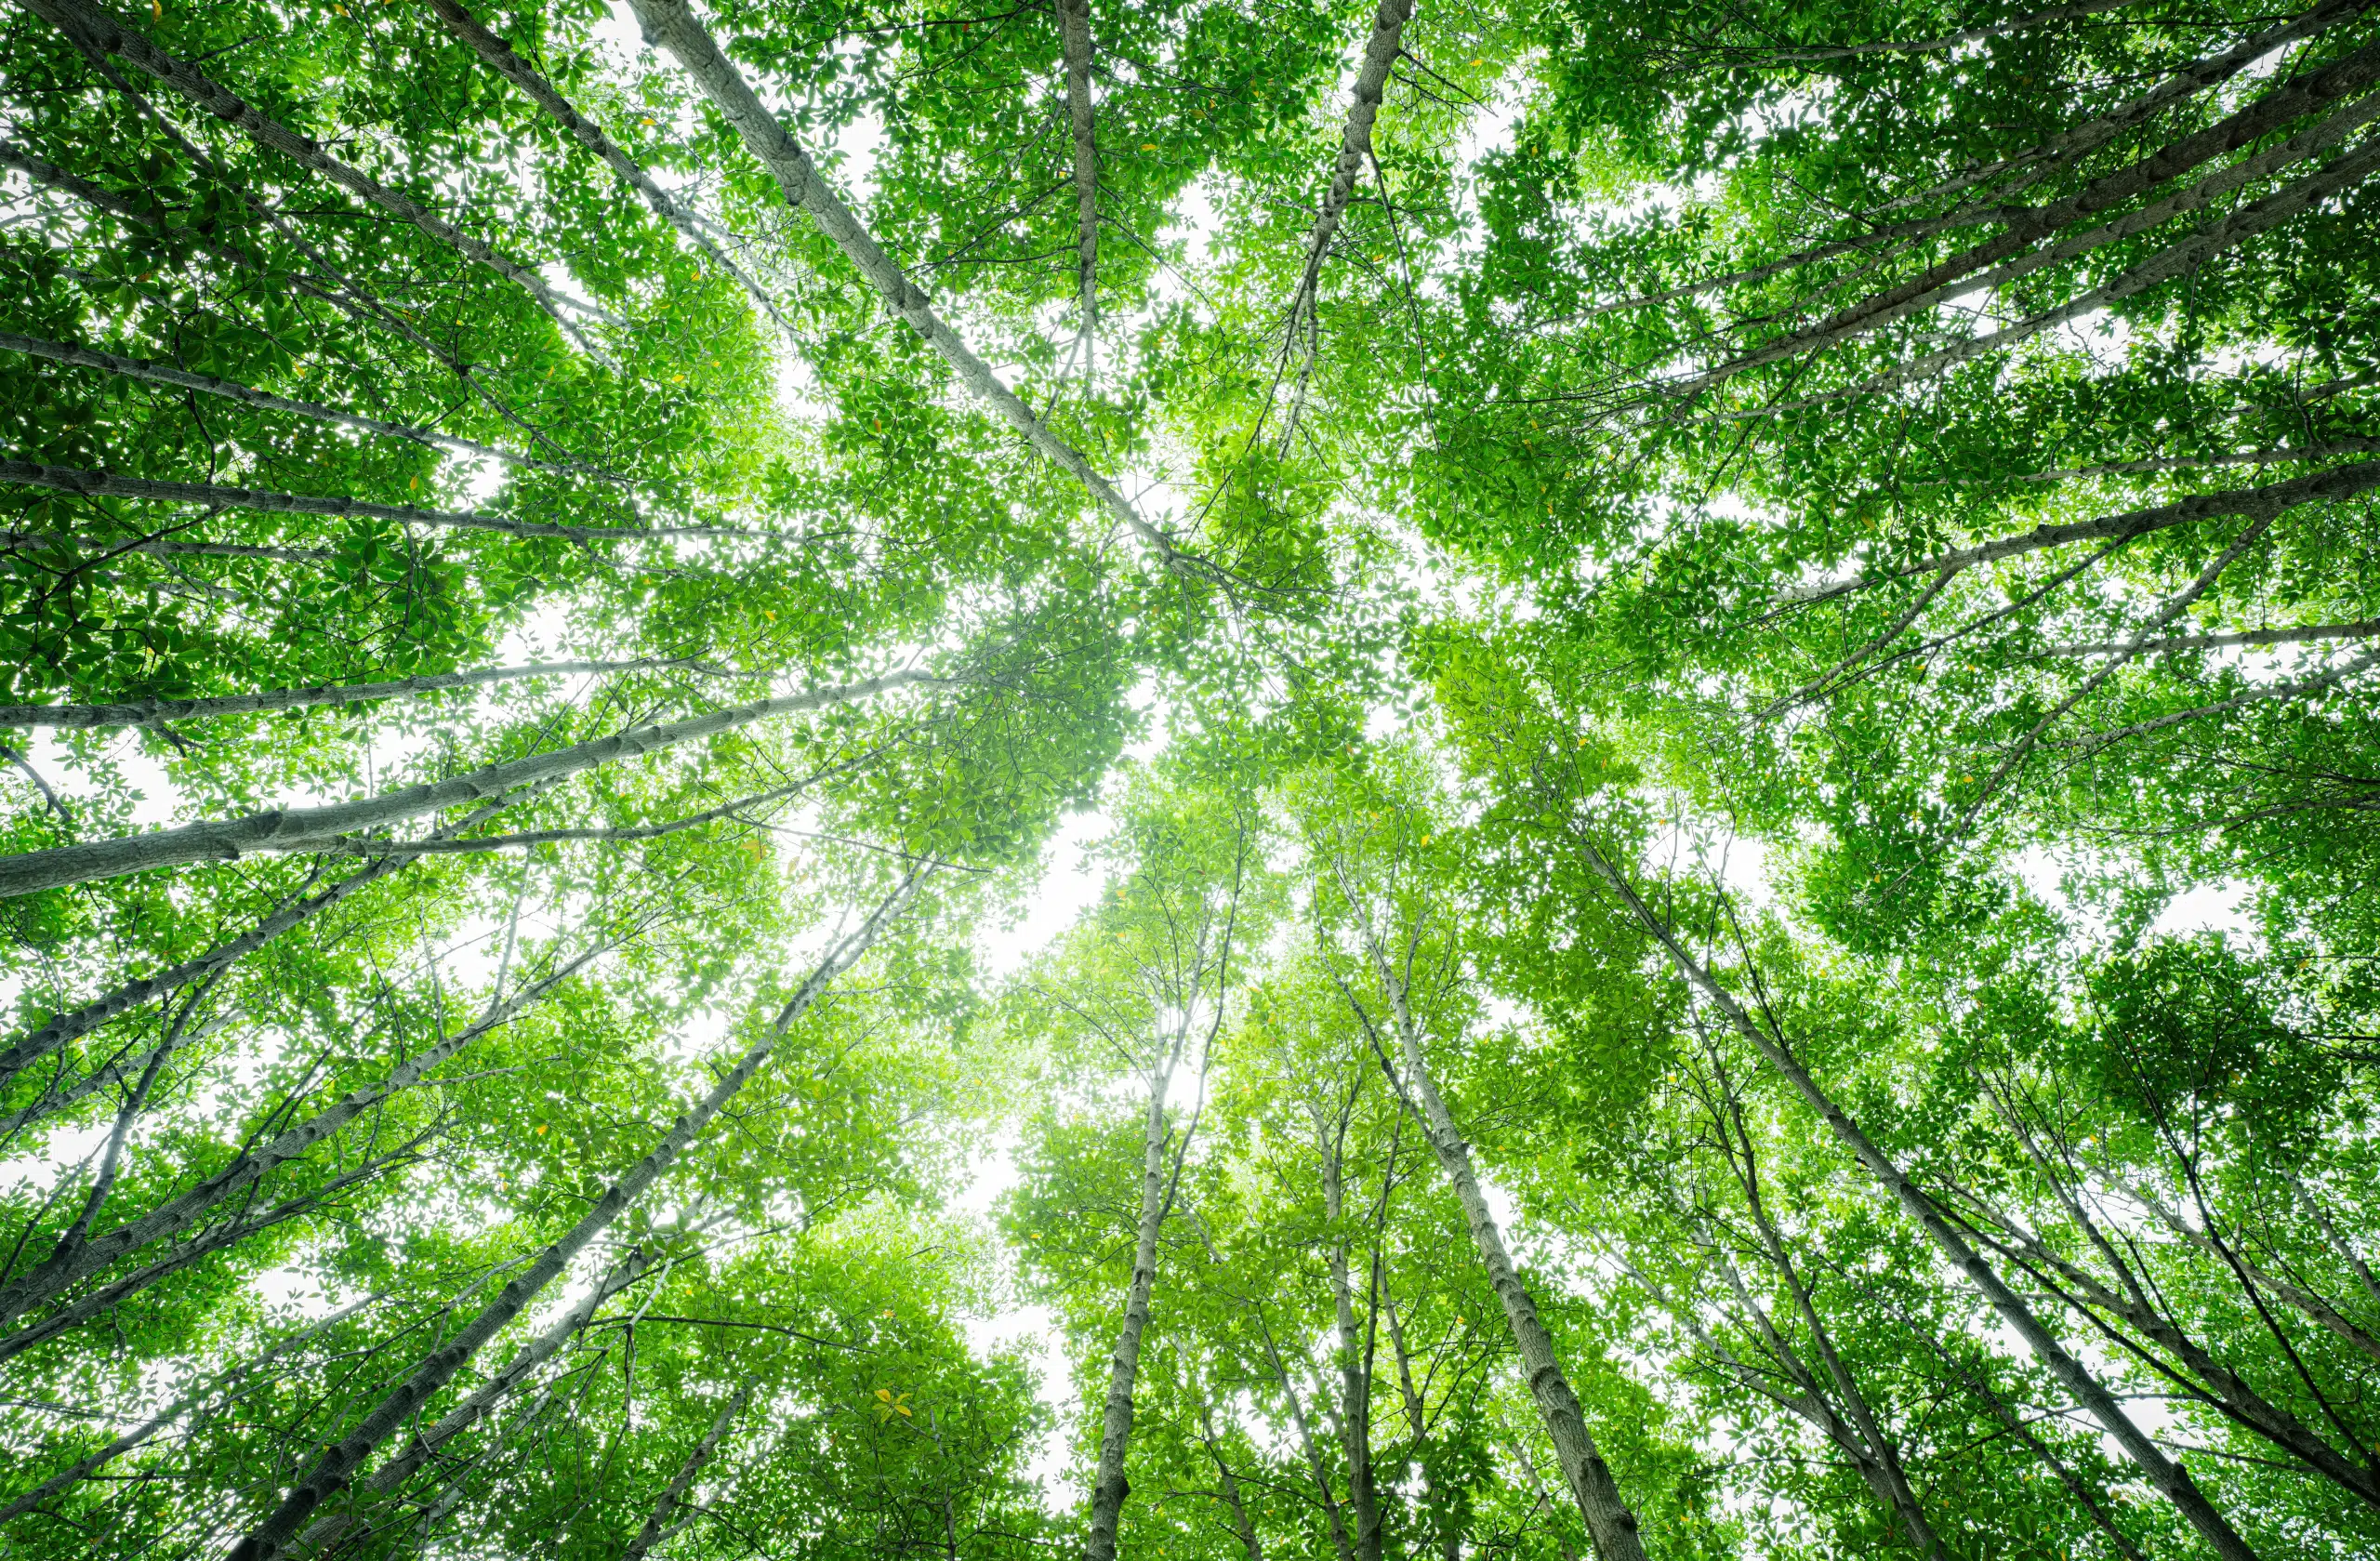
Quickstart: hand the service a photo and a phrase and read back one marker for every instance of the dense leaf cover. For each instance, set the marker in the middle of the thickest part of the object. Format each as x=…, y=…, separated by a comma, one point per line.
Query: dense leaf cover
x=1716, y=660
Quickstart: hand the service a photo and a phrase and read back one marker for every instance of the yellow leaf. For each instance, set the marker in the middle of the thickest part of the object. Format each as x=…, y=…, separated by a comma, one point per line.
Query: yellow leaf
x=157, y=10
x=541, y=1128
x=885, y=1394
x=900, y=1408
x=1148, y=146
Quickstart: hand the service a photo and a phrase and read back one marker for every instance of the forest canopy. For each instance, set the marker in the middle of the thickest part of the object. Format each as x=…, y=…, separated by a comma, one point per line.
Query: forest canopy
x=1215, y=779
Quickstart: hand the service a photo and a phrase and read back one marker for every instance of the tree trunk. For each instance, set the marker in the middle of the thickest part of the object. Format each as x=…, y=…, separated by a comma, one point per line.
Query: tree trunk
x=500, y=56
x=88, y=23
x=309, y=828
x=1314, y=1465
x=207, y=384
x=153, y=712
x=337, y=1464
x=658, y=1525
x=1380, y=51
x=670, y=24
x=463, y=1416
x=1354, y=1376
x=1242, y=1524
x=1109, y=1487
x=78, y=1258
x=2170, y=1478
x=1609, y=1519
x=215, y=496
x=1073, y=22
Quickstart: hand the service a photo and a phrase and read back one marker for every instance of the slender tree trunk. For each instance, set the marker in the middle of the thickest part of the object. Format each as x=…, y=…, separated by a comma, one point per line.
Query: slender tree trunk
x=1242, y=1524
x=500, y=56
x=216, y=495
x=463, y=1416
x=1607, y=1518
x=1314, y=1465
x=339, y=1462
x=207, y=384
x=75, y=1023
x=671, y=25
x=203, y=1246
x=1417, y=1417
x=2339, y=481
x=78, y=1258
x=96, y=28
x=1355, y=1374
x=659, y=1526
x=2026, y=228
x=2168, y=1476
x=140, y=1434
x=1883, y=1454
x=1355, y=144
x=311, y=828
x=2305, y=1301
x=1073, y=22
x=1109, y=1487
x=154, y=712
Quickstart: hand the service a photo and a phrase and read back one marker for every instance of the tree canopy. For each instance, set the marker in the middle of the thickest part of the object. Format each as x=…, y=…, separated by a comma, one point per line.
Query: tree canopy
x=1212, y=779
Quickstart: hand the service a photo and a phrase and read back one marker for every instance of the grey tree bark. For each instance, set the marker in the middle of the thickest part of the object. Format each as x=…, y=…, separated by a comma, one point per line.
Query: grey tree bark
x=1355, y=145
x=500, y=56
x=1109, y=1487
x=2168, y=1476
x=152, y=713
x=89, y=23
x=659, y=1526
x=671, y=25
x=311, y=828
x=213, y=496
x=79, y=1258
x=337, y=1464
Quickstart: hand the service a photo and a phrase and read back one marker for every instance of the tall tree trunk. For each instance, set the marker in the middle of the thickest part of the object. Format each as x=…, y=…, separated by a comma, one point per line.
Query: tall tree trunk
x=463, y=1416
x=1417, y=1417
x=78, y=1257
x=1109, y=1487
x=173, y=1411
x=1242, y=1525
x=153, y=712
x=337, y=1464
x=95, y=28
x=1355, y=144
x=672, y=26
x=2168, y=1476
x=309, y=828
x=658, y=1527
x=1355, y=1374
x=1609, y=1519
x=208, y=384
x=1073, y=22
x=1313, y=1450
x=500, y=56
x=216, y=496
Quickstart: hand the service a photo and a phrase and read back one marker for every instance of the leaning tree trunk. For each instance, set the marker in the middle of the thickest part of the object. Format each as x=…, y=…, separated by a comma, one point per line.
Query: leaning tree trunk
x=1354, y=1378
x=1609, y=1521
x=2171, y=1479
x=659, y=1527
x=337, y=1466
x=1108, y=1491
x=28, y=872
